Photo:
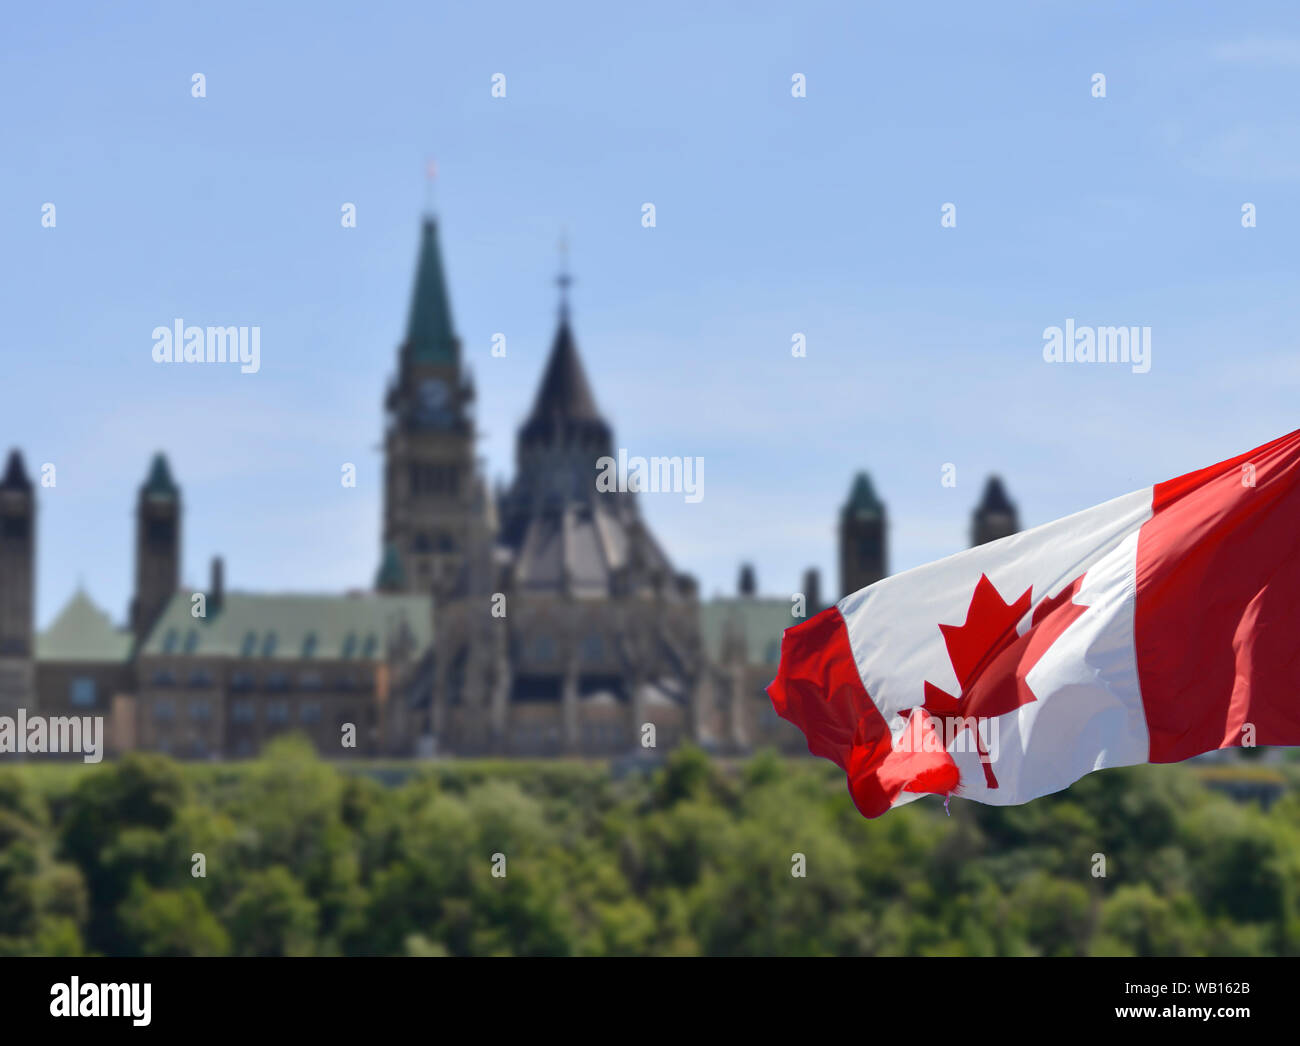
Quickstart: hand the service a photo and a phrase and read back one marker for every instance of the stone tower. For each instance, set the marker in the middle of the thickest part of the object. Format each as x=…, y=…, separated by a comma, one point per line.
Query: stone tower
x=17, y=587
x=862, y=537
x=429, y=476
x=995, y=516
x=157, y=547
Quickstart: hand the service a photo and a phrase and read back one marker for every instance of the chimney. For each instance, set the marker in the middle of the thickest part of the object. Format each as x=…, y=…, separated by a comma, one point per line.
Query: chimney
x=217, y=587
x=747, y=585
x=812, y=589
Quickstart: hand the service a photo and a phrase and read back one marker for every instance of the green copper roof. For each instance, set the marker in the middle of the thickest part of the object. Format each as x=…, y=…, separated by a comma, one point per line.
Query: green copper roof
x=83, y=632
x=160, y=484
x=292, y=627
x=391, y=576
x=428, y=330
x=760, y=620
x=862, y=498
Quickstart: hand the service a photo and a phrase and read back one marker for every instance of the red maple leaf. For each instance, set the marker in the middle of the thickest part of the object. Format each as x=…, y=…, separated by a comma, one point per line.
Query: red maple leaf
x=991, y=660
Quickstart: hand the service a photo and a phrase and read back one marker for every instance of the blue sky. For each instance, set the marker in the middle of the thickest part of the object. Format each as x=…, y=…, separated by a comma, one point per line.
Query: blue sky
x=775, y=215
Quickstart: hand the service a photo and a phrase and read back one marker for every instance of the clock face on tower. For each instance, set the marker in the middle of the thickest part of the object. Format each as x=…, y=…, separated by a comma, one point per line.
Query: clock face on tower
x=434, y=407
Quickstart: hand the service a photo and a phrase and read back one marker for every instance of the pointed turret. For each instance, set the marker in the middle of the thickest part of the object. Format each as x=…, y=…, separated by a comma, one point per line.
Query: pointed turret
x=562, y=439
x=15, y=477
x=863, y=502
x=862, y=537
x=159, y=483
x=429, y=334
x=157, y=547
x=564, y=400
x=17, y=579
x=995, y=516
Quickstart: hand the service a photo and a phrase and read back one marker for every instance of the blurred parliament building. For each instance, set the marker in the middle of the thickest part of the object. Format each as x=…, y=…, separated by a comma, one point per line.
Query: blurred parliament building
x=539, y=619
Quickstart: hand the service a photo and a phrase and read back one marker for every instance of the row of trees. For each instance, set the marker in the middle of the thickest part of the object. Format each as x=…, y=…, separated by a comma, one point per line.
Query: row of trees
x=696, y=858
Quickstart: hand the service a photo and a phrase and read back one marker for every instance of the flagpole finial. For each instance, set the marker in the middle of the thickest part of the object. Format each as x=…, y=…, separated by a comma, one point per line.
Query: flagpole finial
x=563, y=279
x=430, y=176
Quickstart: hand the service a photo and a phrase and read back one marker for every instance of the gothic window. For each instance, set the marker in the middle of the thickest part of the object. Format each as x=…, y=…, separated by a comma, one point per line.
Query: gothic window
x=309, y=645
x=169, y=641
x=268, y=645
x=83, y=692
x=191, y=641
x=250, y=644
x=372, y=644
x=350, y=645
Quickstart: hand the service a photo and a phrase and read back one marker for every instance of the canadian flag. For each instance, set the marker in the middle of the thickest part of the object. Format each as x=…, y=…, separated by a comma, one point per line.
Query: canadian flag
x=1150, y=629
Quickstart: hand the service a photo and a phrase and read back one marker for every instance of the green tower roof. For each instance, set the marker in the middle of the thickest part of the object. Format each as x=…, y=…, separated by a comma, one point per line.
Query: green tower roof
x=159, y=483
x=862, y=498
x=429, y=334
